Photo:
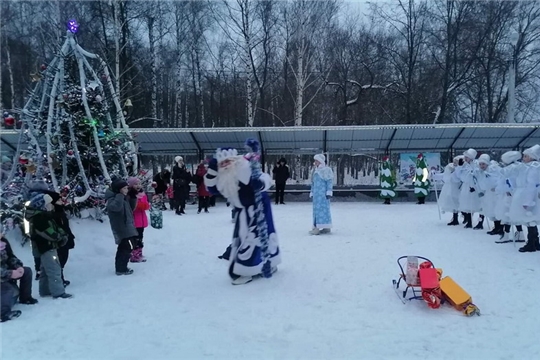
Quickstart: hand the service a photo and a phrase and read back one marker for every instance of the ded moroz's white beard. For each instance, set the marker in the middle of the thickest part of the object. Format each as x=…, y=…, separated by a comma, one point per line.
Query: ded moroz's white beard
x=227, y=183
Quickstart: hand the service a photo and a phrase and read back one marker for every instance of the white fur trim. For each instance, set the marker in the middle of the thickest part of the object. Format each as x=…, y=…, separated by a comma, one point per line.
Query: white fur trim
x=211, y=172
x=320, y=158
x=323, y=226
x=528, y=213
x=484, y=159
x=267, y=181
x=243, y=171
x=330, y=193
x=222, y=154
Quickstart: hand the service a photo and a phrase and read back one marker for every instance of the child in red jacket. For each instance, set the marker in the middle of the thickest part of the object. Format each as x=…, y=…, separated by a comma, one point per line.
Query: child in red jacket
x=170, y=195
x=139, y=203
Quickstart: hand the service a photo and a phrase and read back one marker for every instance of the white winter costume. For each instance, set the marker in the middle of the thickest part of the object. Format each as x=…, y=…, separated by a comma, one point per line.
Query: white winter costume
x=469, y=202
x=505, y=185
x=449, y=196
x=524, y=209
x=487, y=182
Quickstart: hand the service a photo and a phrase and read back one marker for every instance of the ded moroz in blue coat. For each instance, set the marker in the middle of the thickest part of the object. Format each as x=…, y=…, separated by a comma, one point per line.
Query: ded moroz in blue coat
x=246, y=257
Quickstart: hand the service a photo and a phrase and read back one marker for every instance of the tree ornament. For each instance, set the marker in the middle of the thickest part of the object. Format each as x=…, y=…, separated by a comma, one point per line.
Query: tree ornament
x=73, y=26
x=43, y=67
x=35, y=77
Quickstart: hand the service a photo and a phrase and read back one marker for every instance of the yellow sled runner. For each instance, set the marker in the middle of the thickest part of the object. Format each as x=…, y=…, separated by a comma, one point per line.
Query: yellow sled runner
x=458, y=297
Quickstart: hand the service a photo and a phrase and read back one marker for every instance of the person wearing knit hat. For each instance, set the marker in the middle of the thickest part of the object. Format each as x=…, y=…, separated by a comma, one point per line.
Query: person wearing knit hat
x=505, y=189
x=181, y=178
x=322, y=178
x=122, y=224
x=469, y=202
x=47, y=237
x=524, y=208
x=486, y=183
x=139, y=204
x=449, y=196
x=63, y=221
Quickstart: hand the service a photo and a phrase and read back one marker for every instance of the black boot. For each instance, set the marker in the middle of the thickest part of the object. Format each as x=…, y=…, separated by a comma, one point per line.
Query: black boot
x=386, y=201
x=454, y=221
x=480, y=225
x=464, y=217
x=468, y=221
x=532, y=240
x=497, y=228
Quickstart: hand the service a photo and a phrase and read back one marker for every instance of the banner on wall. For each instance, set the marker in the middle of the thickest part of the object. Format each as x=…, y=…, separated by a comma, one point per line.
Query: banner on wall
x=407, y=166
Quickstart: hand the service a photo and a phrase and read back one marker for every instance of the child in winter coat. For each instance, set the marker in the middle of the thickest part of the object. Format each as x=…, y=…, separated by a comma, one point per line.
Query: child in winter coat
x=11, y=271
x=170, y=195
x=139, y=203
x=122, y=224
x=47, y=237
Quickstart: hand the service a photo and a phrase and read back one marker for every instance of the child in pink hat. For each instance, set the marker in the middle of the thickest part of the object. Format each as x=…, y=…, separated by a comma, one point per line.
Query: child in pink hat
x=139, y=203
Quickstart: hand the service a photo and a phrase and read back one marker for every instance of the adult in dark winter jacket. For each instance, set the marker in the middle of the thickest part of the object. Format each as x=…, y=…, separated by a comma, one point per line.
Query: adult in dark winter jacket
x=47, y=237
x=181, y=180
x=122, y=224
x=63, y=221
x=281, y=174
x=202, y=191
x=11, y=271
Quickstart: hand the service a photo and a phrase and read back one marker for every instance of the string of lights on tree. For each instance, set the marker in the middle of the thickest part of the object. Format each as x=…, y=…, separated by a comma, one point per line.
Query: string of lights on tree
x=73, y=131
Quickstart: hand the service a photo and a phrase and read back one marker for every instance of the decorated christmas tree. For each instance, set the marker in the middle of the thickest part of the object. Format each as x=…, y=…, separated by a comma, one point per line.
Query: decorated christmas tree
x=387, y=180
x=74, y=137
x=421, y=179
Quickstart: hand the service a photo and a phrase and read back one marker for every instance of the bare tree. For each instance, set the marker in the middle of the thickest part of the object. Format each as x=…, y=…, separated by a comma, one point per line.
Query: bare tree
x=309, y=22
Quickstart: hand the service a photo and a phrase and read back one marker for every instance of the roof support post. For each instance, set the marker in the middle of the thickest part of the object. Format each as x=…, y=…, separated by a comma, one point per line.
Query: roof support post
x=263, y=160
x=456, y=139
x=199, y=150
x=390, y=141
x=325, y=136
x=8, y=144
x=525, y=139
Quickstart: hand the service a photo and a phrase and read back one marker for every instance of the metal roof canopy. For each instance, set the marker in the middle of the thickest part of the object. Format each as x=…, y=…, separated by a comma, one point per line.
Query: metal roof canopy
x=333, y=139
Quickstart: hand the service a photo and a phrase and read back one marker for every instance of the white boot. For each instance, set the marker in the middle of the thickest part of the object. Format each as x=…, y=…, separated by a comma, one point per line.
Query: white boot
x=519, y=236
x=242, y=280
x=315, y=231
x=506, y=238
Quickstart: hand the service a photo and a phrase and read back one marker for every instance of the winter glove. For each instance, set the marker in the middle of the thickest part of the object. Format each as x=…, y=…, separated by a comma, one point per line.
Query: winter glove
x=472, y=189
x=460, y=162
x=481, y=194
x=311, y=195
x=213, y=165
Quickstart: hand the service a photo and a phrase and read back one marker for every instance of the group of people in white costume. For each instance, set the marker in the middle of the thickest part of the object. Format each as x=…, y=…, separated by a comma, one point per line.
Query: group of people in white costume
x=506, y=193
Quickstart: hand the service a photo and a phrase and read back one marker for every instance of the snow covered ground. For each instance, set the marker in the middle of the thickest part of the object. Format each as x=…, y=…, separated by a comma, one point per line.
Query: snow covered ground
x=331, y=298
